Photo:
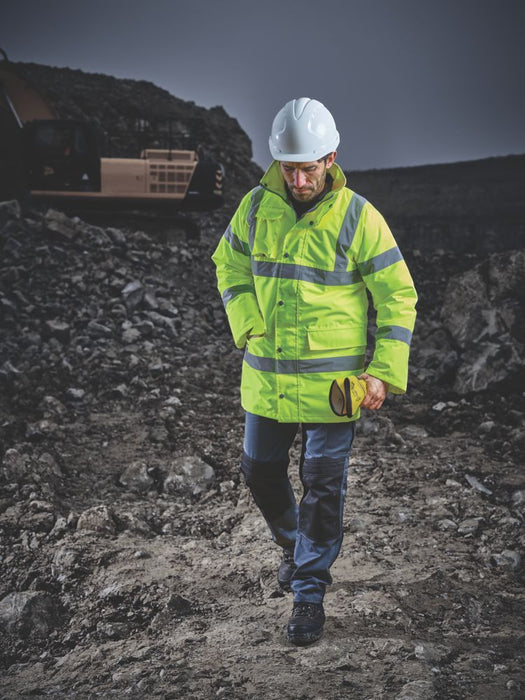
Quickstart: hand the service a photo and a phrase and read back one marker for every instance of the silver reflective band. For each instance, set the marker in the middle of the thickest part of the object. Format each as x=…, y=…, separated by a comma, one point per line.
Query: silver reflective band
x=347, y=231
x=321, y=364
x=232, y=292
x=379, y=262
x=394, y=333
x=235, y=242
x=261, y=268
x=257, y=196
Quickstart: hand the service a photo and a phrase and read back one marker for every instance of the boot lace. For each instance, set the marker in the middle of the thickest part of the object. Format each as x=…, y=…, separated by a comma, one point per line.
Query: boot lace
x=305, y=610
x=288, y=556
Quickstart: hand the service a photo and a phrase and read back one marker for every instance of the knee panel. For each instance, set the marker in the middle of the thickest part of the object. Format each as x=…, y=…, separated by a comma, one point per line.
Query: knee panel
x=320, y=516
x=269, y=485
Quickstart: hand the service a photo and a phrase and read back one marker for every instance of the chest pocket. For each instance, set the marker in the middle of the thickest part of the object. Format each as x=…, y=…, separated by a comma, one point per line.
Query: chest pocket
x=266, y=234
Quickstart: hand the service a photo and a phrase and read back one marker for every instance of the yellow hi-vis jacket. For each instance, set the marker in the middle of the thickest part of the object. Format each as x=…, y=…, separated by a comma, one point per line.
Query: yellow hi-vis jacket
x=301, y=285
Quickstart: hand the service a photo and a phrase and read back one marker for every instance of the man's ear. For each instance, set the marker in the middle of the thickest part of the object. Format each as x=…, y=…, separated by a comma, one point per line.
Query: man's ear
x=330, y=159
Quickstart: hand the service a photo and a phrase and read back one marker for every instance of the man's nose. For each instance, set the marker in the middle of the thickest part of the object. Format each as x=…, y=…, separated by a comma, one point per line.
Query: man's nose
x=299, y=178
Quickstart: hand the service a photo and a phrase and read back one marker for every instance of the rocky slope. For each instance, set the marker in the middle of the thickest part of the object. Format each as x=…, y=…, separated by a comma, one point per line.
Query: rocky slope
x=133, y=561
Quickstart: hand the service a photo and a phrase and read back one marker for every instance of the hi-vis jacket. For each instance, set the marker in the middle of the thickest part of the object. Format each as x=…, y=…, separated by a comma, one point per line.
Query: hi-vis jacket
x=301, y=285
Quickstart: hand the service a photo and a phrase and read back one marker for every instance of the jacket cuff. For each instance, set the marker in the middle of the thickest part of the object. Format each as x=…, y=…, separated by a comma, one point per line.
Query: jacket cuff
x=390, y=363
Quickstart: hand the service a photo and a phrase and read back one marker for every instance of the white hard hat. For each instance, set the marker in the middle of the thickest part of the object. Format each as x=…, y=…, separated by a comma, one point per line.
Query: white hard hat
x=303, y=130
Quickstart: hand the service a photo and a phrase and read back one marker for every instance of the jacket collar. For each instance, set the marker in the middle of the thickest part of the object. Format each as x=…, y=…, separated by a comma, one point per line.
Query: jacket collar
x=272, y=179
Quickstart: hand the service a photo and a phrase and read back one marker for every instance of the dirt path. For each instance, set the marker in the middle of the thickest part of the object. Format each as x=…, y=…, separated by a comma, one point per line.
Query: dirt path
x=417, y=609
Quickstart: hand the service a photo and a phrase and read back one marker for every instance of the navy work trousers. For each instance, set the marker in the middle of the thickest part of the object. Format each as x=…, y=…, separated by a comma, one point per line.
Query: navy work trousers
x=315, y=525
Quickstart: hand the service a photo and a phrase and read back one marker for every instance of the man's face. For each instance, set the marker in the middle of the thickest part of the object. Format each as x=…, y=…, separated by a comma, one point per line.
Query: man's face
x=306, y=180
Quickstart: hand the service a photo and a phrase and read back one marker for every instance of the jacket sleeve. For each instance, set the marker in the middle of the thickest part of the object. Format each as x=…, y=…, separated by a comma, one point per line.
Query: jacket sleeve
x=232, y=259
x=386, y=276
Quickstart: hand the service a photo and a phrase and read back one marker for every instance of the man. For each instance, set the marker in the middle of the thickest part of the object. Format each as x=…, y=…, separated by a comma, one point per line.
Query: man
x=293, y=268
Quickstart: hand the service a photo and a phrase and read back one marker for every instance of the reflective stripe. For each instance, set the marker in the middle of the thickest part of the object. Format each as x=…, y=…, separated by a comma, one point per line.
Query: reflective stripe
x=263, y=268
x=236, y=242
x=232, y=292
x=379, y=262
x=257, y=196
x=394, y=333
x=347, y=231
x=321, y=364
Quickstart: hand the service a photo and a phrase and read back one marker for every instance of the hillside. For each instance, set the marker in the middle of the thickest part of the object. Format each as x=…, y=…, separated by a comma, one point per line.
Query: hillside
x=468, y=206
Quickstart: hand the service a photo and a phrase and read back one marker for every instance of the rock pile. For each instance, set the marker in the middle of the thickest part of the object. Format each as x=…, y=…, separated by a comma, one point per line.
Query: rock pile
x=95, y=317
x=90, y=312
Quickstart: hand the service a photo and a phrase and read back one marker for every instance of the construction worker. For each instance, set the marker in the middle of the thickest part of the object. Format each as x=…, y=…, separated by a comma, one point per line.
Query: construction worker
x=293, y=269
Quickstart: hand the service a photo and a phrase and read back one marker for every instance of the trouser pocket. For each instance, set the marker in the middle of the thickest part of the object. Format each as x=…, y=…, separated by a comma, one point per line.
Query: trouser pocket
x=320, y=511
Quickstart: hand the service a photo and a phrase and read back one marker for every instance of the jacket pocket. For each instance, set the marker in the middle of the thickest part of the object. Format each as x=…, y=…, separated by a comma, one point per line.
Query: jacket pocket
x=337, y=338
x=266, y=242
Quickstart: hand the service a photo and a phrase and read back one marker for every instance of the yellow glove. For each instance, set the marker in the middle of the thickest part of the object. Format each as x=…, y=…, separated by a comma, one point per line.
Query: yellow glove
x=346, y=395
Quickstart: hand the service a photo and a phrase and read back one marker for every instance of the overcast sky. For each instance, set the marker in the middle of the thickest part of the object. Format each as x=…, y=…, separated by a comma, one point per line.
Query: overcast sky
x=408, y=81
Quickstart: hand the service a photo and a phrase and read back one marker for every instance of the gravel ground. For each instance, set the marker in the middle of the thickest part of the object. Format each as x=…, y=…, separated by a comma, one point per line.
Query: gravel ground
x=134, y=563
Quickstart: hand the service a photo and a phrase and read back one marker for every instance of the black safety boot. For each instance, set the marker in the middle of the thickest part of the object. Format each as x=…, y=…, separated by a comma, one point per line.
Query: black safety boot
x=287, y=569
x=306, y=623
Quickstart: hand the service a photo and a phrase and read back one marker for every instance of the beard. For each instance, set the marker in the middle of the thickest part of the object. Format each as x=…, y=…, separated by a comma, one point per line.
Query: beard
x=305, y=194
x=311, y=190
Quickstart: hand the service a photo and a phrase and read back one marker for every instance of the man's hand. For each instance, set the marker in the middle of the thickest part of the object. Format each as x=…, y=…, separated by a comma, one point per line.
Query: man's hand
x=376, y=392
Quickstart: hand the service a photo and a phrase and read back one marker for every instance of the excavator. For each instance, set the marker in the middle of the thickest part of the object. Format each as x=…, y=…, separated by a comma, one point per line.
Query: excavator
x=58, y=163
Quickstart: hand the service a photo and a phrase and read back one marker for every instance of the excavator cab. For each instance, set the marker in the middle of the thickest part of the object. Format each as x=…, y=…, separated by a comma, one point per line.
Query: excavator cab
x=62, y=156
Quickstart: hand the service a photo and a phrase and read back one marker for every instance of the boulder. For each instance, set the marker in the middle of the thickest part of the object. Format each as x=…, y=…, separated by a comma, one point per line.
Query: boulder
x=15, y=465
x=417, y=690
x=136, y=477
x=29, y=613
x=9, y=210
x=483, y=312
x=97, y=519
x=59, y=223
x=189, y=476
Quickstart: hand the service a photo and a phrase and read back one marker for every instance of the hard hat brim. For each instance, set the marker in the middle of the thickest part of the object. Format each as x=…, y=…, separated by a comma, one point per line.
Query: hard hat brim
x=303, y=157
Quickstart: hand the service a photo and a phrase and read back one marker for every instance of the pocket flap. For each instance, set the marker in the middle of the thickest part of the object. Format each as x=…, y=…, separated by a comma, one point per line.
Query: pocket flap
x=336, y=338
x=268, y=213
